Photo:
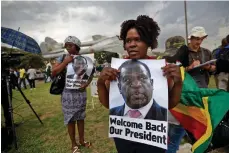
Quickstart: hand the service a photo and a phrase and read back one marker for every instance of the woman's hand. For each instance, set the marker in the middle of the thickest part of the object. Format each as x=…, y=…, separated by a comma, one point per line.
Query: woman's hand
x=172, y=71
x=173, y=74
x=108, y=74
x=59, y=67
x=84, y=85
x=68, y=59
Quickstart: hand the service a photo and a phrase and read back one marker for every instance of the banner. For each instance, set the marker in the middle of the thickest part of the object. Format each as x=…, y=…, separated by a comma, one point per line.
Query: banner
x=139, y=102
x=79, y=72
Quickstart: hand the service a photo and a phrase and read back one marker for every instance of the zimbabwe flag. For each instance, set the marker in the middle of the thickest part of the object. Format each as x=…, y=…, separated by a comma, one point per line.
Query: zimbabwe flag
x=200, y=111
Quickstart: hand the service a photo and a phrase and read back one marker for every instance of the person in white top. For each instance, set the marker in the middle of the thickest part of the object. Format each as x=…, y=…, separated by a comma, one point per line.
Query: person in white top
x=32, y=75
x=48, y=71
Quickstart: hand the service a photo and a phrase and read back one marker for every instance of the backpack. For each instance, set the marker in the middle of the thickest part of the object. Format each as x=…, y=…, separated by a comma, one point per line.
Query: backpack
x=222, y=62
x=223, y=54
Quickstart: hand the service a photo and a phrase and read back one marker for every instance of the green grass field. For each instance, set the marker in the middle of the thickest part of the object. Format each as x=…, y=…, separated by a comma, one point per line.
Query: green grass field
x=52, y=137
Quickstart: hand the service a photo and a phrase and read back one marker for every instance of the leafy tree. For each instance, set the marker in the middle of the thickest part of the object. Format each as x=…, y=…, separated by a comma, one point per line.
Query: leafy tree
x=29, y=59
x=34, y=60
x=103, y=56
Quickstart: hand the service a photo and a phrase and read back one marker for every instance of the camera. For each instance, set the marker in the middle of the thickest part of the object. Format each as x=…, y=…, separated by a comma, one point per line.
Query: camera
x=11, y=60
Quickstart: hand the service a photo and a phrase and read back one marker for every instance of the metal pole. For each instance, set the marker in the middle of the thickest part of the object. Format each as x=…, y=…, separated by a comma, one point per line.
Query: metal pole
x=9, y=91
x=186, y=21
x=29, y=103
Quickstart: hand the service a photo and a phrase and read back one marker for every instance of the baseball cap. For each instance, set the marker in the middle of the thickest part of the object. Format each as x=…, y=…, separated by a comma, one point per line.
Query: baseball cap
x=172, y=44
x=198, y=32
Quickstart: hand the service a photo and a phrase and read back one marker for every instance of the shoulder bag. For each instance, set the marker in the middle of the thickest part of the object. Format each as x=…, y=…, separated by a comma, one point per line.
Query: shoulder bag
x=58, y=83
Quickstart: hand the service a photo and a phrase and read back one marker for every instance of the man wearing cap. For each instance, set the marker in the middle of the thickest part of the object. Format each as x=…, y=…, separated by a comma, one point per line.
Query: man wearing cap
x=194, y=55
x=172, y=45
x=190, y=55
x=175, y=132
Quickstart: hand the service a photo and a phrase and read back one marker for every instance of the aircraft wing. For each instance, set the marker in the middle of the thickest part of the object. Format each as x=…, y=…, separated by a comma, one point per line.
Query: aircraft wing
x=111, y=44
x=95, y=39
x=115, y=49
x=98, y=37
x=54, y=54
x=55, y=51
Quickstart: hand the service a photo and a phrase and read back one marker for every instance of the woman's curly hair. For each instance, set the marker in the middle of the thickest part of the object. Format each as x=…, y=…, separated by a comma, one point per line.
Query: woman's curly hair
x=147, y=28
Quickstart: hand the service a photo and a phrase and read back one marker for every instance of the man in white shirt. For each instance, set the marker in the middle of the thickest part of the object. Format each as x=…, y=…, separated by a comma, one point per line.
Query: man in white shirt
x=32, y=75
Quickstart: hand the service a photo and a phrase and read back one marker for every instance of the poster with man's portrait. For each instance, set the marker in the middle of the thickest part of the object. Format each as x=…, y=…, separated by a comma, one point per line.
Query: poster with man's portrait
x=79, y=71
x=139, y=102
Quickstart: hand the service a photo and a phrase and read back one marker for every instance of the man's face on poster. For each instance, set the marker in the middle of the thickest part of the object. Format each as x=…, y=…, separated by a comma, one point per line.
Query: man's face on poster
x=79, y=65
x=135, y=85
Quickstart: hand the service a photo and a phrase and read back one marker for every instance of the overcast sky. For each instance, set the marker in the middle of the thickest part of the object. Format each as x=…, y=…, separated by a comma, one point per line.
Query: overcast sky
x=84, y=19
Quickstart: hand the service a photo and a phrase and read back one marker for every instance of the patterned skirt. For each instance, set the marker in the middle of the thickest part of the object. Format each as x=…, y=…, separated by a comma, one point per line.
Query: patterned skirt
x=73, y=105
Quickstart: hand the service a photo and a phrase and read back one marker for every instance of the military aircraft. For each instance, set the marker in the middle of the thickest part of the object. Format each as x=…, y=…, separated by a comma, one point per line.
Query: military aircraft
x=52, y=49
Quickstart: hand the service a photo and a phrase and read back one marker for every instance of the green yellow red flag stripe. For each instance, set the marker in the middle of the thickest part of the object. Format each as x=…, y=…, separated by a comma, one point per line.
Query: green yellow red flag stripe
x=200, y=111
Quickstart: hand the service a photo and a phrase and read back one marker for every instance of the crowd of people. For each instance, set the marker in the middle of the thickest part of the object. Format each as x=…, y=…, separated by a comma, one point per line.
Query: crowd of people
x=137, y=36
x=192, y=55
x=22, y=77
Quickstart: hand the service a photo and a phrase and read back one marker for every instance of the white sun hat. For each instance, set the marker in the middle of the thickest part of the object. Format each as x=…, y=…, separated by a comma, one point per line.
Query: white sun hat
x=73, y=39
x=198, y=32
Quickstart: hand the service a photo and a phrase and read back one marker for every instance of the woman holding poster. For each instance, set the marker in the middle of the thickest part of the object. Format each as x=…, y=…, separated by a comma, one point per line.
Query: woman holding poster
x=74, y=97
x=138, y=35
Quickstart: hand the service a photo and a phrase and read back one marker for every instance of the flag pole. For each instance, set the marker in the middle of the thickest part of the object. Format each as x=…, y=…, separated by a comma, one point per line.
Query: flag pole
x=186, y=21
